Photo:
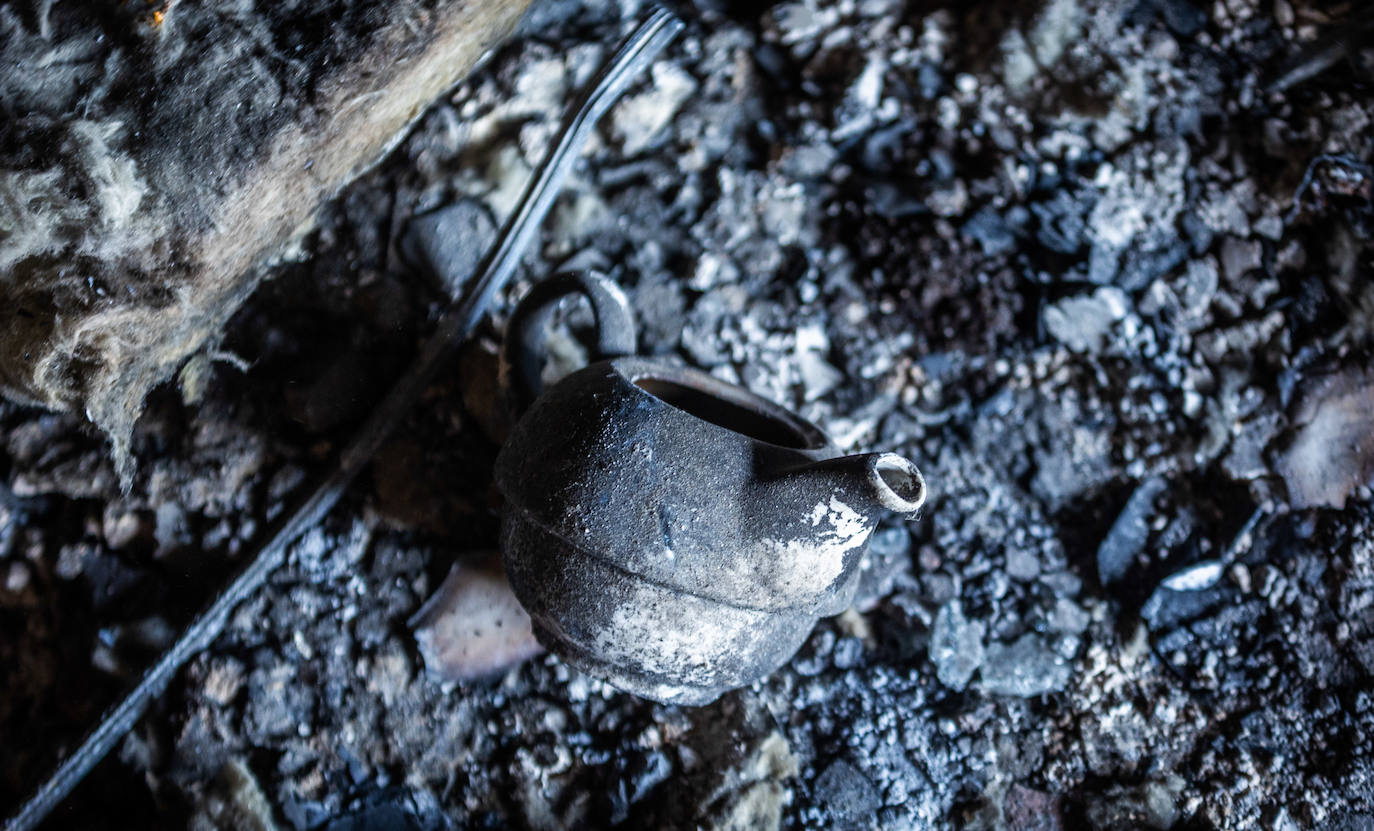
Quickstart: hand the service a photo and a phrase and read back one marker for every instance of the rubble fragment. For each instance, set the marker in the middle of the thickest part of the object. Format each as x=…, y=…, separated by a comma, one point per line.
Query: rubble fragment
x=956, y=646
x=235, y=803
x=638, y=119
x=1332, y=451
x=1196, y=577
x=1025, y=668
x=1084, y=324
x=848, y=796
x=473, y=627
x=892, y=286
x=1129, y=533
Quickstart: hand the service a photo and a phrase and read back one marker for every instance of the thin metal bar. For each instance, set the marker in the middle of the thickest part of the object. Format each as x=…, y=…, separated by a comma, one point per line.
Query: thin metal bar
x=520, y=228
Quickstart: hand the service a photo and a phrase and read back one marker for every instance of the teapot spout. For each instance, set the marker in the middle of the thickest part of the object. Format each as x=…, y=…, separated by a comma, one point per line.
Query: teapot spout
x=814, y=522
x=869, y=483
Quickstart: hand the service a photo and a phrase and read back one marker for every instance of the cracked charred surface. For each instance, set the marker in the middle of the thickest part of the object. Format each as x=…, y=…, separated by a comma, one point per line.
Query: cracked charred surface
x=153, y=158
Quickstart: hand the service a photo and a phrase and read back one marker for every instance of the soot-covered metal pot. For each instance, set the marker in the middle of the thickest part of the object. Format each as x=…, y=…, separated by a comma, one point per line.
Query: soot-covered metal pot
x=672, y=534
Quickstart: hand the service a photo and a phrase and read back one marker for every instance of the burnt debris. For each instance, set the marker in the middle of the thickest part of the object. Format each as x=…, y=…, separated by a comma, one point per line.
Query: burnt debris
x=1082, y=259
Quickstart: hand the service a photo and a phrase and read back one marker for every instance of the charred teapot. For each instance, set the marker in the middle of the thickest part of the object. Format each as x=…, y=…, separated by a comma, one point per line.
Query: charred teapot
x=672, y=534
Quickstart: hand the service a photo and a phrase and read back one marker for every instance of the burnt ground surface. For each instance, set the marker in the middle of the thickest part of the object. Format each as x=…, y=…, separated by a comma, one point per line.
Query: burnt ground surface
x=1101, y=268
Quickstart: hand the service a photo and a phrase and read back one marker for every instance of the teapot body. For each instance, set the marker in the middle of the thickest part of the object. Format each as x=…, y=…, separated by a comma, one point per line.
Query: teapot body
x=679, y=536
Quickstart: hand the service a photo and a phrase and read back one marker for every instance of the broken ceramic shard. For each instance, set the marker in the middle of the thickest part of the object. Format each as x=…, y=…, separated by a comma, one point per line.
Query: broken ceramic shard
x=670, y=533
x=1332, y=452
x=473, y=627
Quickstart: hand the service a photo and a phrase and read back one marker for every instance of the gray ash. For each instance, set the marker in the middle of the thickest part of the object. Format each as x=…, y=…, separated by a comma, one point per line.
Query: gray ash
x=1083, y=260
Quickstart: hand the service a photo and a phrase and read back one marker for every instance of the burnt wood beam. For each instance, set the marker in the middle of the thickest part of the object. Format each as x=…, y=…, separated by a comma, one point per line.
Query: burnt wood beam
x=153, y=157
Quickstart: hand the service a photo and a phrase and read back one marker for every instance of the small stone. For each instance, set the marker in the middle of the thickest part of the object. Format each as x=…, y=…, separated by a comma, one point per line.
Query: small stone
x=888, y=557
x=121, y=528
x=1128, y=535
x=1139, y=266
x=937, y=588
x=1240, y=257
x=847, y=794
x=801, y=22
x=16, y=577
x=1203, y=575
x=1018, y=67
x=1084, y=323
x=808, y=162
x=639, y=119
x=1062, y=223
x=224, y=680
x=1166, y=610
x=153, y=633
x=277, y=703
x=1269, y=227
x=855, y=113
x=1057, y=26
x=1196, y=288
x=746, y=776
x=171, y=527
x=1068, y=617
x=72, y=560
x=1078, y=459
x=949, y=199
x=1152, y=804
x=994, y=234
x=1332, y=453
x=818, y=376
x=235, y=801
x=849, y=653
x=449, y=242
x=956, y=646
x=1030, y=810
x=1022, y=564
x=505, y=172
x=1062, y=583
x=928, y=558
x=1025, y=668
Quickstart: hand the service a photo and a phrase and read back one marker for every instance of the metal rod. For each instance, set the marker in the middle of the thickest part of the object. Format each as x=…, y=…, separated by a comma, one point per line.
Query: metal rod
x=637, y=53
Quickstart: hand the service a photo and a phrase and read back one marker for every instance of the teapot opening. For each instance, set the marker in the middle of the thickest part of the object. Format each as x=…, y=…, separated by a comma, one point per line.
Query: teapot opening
x=734, y=409
x=898, y=483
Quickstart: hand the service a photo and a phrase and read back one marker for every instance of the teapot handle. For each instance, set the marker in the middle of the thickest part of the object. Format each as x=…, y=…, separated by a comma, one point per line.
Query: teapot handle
x=523, y=352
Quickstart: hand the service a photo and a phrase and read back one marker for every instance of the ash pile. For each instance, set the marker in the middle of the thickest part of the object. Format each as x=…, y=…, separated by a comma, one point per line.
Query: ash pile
x=1102, y=267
